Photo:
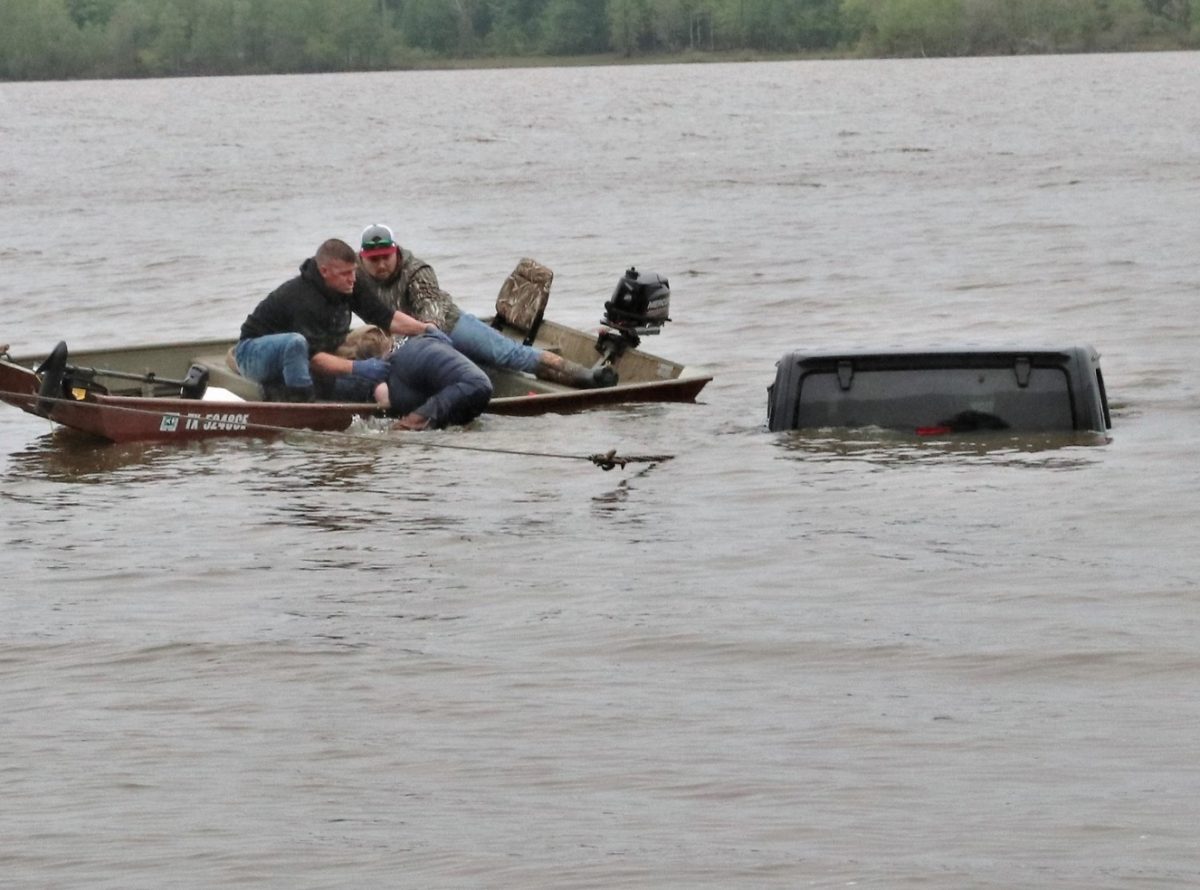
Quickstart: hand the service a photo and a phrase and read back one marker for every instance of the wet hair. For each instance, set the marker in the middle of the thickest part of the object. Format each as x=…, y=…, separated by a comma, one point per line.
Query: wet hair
x=335, y=250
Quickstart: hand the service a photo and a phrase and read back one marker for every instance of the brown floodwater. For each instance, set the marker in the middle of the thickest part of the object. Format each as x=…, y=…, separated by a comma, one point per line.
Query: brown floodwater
x=776, y=660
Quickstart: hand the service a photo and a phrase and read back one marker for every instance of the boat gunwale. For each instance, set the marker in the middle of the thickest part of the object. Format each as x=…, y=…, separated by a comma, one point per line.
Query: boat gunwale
x=672, y=384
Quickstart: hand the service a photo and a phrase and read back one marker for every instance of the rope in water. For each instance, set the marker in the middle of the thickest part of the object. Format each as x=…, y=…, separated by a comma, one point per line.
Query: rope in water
x=606, y=461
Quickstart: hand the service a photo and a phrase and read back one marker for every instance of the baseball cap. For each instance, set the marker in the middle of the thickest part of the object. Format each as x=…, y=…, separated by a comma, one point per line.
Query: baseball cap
x=377, y=240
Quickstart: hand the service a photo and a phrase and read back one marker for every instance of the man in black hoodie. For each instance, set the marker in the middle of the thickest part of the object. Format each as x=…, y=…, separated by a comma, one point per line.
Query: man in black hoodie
x=288, y=345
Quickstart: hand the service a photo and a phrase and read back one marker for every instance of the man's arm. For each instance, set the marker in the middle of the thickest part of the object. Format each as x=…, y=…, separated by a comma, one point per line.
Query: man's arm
x=335, y=366
x=406, y=326
x=427, y=299
x=367, y=306
x=331, y=365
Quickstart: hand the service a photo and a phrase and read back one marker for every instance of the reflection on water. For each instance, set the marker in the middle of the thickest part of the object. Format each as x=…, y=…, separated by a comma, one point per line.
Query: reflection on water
x=999, y=448
x=320, y=459
x=67, y=456
x=612, y=500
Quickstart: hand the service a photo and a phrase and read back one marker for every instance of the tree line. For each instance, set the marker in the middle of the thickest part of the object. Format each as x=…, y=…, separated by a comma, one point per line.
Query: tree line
x=60, y=39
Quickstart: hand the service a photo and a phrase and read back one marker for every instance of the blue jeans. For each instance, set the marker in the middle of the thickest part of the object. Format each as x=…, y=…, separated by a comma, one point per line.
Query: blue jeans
x=432, y=378
x=486, y=346
x=275, y=358
x=283, y=358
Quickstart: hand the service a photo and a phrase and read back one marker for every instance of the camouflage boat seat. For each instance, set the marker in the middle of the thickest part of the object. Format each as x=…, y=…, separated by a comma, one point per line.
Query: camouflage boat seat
x=522, y=300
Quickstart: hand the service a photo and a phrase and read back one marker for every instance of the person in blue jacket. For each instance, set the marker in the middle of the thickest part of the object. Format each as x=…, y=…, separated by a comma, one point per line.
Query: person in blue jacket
x=288, y=344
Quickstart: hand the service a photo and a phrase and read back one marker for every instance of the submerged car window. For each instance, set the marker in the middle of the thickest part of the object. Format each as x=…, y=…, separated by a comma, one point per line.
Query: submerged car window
x=965, y=398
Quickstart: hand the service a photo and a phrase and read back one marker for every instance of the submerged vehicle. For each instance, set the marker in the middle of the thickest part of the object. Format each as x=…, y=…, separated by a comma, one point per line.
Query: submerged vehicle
x=188, y=390
x=941, y=391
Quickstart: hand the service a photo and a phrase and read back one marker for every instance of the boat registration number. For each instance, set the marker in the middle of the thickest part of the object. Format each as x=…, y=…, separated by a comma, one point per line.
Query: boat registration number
x=174, y=422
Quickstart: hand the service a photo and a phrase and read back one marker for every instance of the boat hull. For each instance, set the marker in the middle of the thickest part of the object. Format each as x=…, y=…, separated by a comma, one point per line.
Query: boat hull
x=136, y=419
x=151, y=409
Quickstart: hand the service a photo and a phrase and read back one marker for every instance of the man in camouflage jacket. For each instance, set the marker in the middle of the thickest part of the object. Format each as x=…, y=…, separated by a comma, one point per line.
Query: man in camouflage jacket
x=409, y=285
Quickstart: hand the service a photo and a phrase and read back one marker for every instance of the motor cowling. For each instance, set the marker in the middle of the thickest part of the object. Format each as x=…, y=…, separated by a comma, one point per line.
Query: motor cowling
x=195, y=384
x=640, y=303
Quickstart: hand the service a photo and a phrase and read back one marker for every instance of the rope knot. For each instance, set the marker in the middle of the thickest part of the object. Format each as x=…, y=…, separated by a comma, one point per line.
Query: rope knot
x=608, y=460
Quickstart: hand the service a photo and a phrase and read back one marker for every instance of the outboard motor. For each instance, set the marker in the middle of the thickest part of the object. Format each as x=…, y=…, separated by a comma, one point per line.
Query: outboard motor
x=639, y=303
x=194, y=385
x=638, y=306
x=53, y=372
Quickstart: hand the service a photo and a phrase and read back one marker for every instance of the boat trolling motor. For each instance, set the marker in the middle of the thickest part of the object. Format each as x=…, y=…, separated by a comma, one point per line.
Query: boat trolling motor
x=59, y=380
x=192, y=386
x=638, y=308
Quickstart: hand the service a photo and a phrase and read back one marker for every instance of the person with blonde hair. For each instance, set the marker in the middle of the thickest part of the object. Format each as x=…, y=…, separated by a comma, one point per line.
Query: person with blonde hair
x=289, y=345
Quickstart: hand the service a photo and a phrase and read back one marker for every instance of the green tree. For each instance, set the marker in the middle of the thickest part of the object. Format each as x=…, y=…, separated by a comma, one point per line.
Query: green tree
x=514, y=26
x=630, y=25
x=218, y=36
x=91, y=13
x=679, y=24
x=355, y=30
x=40, y=41
x=129, y=33
x=1126, y=22
x=574, y=27
x=431, y=25
x=817, y=24
x=1065, y=25
x=920, y=27
x=170, y=52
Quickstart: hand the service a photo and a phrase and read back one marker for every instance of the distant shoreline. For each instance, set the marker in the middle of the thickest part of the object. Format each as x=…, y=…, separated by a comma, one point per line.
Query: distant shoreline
x=725, y=56
x=605, y=60
x=136, y=39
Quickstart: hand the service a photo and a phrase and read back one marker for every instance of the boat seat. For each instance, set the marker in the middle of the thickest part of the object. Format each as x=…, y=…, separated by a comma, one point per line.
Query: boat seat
x=522, y=300
x=222, y=371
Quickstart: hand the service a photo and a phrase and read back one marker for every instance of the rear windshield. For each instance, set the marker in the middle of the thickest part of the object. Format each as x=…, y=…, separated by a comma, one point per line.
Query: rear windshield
x=958, y=398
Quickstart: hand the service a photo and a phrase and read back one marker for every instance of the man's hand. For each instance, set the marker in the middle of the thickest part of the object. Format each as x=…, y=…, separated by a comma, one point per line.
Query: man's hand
x=372, y=368
x=405, y=325
x=434, y=331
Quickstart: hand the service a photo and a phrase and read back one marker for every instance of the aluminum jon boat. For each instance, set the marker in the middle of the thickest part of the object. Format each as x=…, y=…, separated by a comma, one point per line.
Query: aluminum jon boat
x=186, y=391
